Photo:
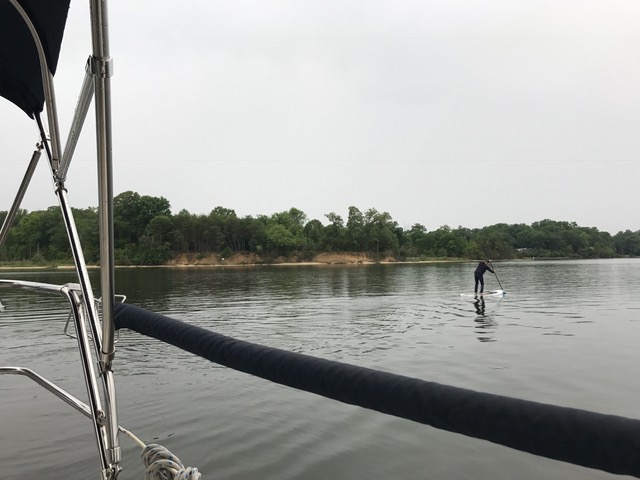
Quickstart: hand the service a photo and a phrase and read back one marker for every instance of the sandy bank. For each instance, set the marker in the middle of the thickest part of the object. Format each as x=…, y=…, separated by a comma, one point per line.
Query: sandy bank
x=248, y=260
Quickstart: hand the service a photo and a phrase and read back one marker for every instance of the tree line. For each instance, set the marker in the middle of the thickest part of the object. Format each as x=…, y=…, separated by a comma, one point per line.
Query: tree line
x=147, y=233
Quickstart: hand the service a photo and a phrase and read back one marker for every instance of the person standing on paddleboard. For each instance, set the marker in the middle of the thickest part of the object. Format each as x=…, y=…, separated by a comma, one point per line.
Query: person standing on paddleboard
x=478, y=275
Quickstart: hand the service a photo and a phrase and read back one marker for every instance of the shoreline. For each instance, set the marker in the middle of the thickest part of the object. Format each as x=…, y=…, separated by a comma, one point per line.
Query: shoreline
x=252, y=260
x=235, y=265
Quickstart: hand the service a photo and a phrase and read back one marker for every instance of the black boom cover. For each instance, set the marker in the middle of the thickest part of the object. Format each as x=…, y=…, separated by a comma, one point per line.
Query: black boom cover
x=20, y=77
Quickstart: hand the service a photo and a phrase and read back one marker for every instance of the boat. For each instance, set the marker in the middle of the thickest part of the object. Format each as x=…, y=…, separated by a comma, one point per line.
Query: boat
x=31, y=32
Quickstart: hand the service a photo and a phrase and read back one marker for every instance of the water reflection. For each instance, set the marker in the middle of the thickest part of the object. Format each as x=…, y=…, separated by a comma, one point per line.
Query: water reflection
x=485, y=324
x=406, y=319
x=480, y=306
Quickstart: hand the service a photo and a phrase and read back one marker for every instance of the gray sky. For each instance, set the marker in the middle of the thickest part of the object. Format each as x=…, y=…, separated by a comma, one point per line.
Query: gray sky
x=457, y=112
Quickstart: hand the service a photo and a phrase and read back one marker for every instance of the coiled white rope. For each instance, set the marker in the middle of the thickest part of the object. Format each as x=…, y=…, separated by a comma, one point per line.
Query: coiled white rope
x=161, y=464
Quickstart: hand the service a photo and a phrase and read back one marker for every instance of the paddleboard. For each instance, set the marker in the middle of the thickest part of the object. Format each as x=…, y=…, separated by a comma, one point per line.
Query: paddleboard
x=490, y=293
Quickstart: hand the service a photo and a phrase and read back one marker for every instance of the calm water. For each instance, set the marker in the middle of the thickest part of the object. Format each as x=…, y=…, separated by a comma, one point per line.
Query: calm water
x=566, y=333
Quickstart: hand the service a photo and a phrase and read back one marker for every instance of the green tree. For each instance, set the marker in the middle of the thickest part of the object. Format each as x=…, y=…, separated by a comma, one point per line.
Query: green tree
x=355, y=230
x=334, y=233
x=280, y=239
x=87, y=226
x=627, y=243
x=184, y=233
x=379, y=232
x=132, y=213
x=285, y=231
x=159, y=229
x=313, y=233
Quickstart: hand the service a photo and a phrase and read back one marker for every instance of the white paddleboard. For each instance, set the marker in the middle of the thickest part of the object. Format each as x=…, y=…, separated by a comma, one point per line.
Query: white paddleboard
x=490, y=293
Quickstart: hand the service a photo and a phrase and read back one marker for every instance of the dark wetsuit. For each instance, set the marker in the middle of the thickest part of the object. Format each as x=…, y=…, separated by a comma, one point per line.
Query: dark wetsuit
x=478, y=275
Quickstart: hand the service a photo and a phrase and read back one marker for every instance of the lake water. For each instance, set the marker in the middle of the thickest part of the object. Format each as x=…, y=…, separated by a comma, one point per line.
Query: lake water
x=566, y=333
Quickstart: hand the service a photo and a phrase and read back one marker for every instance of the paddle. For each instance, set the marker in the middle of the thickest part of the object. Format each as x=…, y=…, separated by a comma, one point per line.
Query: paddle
x=494, y=272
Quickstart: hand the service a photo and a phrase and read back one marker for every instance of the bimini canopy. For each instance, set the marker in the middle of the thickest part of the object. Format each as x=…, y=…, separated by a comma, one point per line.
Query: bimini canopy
x=20, y=77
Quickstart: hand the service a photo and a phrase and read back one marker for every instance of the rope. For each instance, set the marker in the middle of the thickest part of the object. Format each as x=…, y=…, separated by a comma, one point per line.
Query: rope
x=161, y=464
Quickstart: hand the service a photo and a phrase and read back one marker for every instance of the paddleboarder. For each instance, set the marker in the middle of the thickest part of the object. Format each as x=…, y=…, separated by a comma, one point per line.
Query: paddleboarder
x=478, y=275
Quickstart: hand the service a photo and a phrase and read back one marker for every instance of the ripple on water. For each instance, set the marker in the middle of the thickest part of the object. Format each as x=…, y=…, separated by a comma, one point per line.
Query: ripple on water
x=551, y=339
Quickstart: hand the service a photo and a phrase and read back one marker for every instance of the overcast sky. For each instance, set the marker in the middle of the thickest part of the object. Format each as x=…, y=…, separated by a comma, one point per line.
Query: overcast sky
x=458, y=112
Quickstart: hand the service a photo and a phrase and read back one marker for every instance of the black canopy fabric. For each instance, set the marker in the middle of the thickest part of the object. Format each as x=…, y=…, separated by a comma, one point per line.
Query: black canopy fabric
x=20, y=77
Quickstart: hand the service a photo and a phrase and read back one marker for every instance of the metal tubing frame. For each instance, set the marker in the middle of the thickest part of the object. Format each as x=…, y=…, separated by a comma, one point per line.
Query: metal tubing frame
x=65, y=396
x=110, y=469
x=62, y=394
x=95, y=410
x=105, y=422
x=11, y=215
x=80, y=115
x=103, y=71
